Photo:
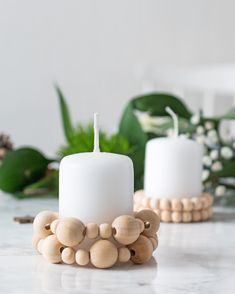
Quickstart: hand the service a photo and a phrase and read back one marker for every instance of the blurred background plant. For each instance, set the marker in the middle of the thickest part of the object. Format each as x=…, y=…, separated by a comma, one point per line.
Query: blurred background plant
x=27, y=172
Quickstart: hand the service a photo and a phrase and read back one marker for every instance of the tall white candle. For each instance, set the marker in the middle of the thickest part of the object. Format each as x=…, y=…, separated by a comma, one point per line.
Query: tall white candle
x=96, y=186
x=173, y=166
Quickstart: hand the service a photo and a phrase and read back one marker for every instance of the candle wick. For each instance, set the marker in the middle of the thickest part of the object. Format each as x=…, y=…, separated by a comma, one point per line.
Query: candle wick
x=96, y=134
x=175, y=120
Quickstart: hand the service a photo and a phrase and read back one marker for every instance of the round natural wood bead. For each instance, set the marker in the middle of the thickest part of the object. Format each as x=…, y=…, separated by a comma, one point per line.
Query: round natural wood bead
x=196, y=216
x=70, y=231
x=176, y=216
x=141, y=224
x=187, y=204
x=210, y=212
x=205, y=214
x=145, y=202
x=92, y=231
x=103, y=254
x=209, y=199
x=82, y=257
x=154, y=241
x=165, y=204
x=51, y=249
x=197, y=203
x=141, y=250
x=138, y=196
x=68, y=255
x=35, y=241
x=166, y=216
x=154, y=203
x=42, y=221
x=54, y=225
x=105, y=231
x=205, y=202
x=124, y=254
x=151, y=221
x=176, y=205
x=186, y=217
x=125, y=229
x=39, y=246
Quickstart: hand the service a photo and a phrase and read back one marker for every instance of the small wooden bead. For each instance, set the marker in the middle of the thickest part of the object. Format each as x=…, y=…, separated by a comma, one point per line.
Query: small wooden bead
x=141, y=250
x=68, y=255
x=197, y=203
x=176, y=216
x=186, y=217
x=35, y=240
x=210, y=199
x=105, y=231
x=124, y=254
x=141, y=224
x=196, y=216
x=92, y=231
x=42, y=221
x=187, y=204
x=103, y=254
x=176, y=205
x=151, y=221
x=126, y=229
x=70, y=231
x=166, y=216
x=154, y=241
x=205, y=202
x=165, y=204
x=51, y=249
x=54, y=225
x=39, y=245
x=154, y=203
x=205, y=214
x=145, y=202
x=138, y=196
x=82, y=257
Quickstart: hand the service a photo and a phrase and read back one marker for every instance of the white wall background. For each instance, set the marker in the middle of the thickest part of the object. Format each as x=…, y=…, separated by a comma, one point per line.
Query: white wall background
x=95, y=50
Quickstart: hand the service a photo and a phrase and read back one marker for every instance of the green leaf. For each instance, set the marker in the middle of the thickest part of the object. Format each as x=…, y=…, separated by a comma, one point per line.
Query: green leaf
x=20, y=168
x=227, y=171
x=65, y=116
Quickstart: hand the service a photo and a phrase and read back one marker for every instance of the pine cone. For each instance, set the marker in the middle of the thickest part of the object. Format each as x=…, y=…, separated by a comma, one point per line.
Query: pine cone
x=5, y=145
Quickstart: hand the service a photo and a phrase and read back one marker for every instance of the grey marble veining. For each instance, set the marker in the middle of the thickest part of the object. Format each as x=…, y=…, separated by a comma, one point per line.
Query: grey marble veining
x=191, y=258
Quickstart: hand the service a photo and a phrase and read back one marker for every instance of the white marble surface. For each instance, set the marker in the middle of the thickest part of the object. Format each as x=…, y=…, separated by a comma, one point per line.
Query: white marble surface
x=191, y=258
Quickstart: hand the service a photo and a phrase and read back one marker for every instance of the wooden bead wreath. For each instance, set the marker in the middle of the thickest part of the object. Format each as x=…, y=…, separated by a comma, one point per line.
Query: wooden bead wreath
x=127, y=238
x=178, y=210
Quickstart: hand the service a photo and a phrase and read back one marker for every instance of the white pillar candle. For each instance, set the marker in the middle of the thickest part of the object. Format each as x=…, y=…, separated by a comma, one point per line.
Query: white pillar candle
x=173, y=166
x=96, y=186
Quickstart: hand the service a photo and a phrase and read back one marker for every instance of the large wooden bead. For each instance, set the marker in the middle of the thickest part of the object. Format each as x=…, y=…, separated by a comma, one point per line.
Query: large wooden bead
x=82, y=257
x=35, y=240
x=197, y=203
x=124, y=254
x=141, y=224
x=166, y=216
x=125, y=229
x=154, y=241
x=39, y=245
x=138, y=196
x=176, y=205
x=165, y=204
x=92, y=231
x=176, y=216
x=145, y=202
x=186, y=217
x=105, y=231
x=151, y=221
x=103, y=254
x=70, y=231
x=54, y=225
x=51, y=249
x=187, y=204
x=141, y=250
x=42, y=221
x=68, y=255
x=196, y=216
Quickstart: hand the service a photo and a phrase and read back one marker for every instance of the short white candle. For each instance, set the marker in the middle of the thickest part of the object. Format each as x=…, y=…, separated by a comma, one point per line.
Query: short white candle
x=173, y=166
x=96, y=186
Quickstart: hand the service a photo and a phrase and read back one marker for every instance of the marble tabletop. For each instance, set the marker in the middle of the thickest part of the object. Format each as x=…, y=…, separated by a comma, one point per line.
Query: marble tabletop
x=191, y=258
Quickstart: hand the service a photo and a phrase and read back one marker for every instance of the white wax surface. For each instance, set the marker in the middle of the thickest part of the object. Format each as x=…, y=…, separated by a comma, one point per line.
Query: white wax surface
x=96, y=186
x=173, y=168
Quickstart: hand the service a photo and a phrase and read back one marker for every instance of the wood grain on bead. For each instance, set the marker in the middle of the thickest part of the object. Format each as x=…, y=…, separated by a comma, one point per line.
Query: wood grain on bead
x=151, y=221
x=141, y=224
x=176, y=205
x=165, y=204
x=125, y=229
x=141, y=250
x=68, y=255
x=51, y=249
x=187, y=217
x=138, y=196
x=105, y=231
x=187, y=204
x=103, y=254
x=154, y=241
x=82, y=257
x=166, y=216
x=42, y=221
x=92, y=231
x=197, y=203
x=124, y=254
x=176, y=216
x=70, y=231
x=196, y=216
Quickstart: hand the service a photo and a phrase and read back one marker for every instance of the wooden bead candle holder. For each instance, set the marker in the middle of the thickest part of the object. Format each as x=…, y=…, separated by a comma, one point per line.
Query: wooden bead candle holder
x=177, y=210
x=127, y=238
